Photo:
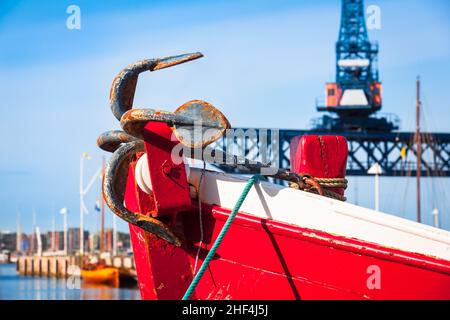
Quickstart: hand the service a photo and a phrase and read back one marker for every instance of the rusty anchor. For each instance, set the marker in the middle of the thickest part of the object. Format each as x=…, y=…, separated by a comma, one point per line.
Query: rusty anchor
x=196, y=124
x=125, y=144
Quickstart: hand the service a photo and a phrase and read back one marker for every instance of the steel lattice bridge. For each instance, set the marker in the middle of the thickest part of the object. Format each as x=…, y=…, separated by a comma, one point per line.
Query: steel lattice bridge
x=395, y=152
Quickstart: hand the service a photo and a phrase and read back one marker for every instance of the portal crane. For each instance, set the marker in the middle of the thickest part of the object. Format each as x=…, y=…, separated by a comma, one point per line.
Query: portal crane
x=355, y=97
x=356, y=93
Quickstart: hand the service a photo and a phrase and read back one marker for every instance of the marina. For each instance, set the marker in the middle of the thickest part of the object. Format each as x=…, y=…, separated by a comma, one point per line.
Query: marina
x=16, y=287
x=60, y=266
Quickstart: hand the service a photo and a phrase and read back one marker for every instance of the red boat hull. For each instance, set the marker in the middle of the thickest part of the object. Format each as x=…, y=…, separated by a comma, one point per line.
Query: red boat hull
x=265, y=259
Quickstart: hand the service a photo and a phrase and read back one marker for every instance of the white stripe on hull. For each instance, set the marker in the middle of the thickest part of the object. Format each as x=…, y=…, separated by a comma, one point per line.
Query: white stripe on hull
x=308, y=210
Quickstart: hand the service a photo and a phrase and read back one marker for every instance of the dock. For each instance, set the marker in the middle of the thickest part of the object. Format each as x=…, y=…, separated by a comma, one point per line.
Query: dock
x=62, y=266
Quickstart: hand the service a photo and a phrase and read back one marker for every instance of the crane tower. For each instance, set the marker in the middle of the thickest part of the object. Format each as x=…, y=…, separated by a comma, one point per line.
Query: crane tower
x=356, y=94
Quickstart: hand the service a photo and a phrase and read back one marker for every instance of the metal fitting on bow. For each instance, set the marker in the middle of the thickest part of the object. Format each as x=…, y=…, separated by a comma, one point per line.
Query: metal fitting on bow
x=111, y=140
x=125, y=146
x=124, y=85
x=114, y=182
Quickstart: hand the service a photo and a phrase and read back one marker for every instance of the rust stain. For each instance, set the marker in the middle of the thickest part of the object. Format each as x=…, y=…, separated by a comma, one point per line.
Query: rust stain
x=113, y=190
x=111, y=140
x=160, y=287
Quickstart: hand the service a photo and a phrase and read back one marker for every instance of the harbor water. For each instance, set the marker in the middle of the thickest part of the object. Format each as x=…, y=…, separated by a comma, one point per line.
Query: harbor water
x=16, y=287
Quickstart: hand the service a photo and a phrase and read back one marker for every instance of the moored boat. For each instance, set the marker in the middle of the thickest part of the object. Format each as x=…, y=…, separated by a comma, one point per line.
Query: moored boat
x=103, y=275
x=290, y=244
x=109, y=275
x=250, y=238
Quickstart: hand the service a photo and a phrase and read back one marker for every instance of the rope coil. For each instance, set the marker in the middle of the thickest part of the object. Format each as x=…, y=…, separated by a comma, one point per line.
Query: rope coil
x=320, y=185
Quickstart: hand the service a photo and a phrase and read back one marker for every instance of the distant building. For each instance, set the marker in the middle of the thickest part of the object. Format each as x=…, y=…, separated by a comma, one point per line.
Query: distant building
x=59, y=240
x=109, y=240
x=33, y=243
x=95, y=242
x=73, y=240
x=51, y=243
x=8, y=241
x=56, y=244
x=25, y=243
x=123, y=241
x=29, y=243
x=91, y=242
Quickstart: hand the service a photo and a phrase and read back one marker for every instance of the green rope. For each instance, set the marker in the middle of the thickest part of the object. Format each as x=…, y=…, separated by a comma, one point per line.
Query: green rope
x=219, y=239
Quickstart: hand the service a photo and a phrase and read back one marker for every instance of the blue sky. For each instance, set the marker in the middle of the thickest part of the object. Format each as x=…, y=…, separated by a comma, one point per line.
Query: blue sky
x=261, y=58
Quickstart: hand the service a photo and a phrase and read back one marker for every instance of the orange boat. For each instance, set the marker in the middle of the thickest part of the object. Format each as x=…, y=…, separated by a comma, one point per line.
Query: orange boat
x=109, y=275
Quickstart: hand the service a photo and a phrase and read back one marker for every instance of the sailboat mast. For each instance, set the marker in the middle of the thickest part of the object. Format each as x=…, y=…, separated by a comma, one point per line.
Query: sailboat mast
x=18, y=235
x=33, y=233
x=418, y=144
x=102, y=211
x=53, y=234
x=114, y=242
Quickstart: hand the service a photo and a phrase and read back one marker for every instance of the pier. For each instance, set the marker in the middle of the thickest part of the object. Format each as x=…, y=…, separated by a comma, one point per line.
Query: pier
x=62, y=266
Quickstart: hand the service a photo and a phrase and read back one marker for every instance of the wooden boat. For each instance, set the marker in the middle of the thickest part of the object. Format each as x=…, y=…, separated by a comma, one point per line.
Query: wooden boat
x=127, y=277
x=104, y=275
x=290, y=244
x=109, y=275
x=284, y=242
